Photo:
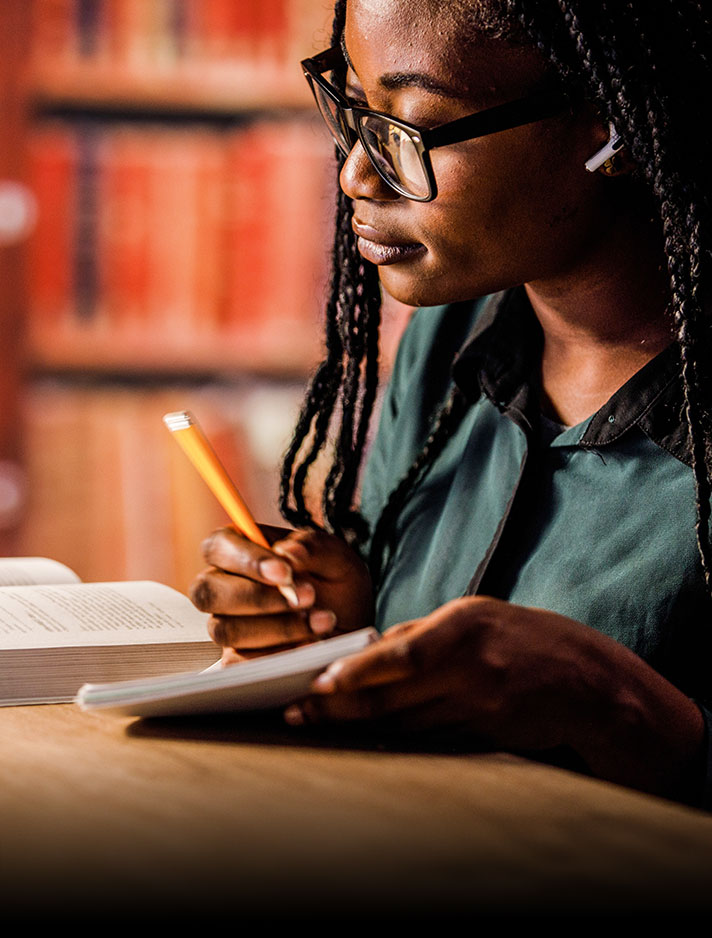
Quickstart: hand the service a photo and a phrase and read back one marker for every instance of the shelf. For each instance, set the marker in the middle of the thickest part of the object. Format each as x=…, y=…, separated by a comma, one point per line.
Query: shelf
x=288, y=350
x=221, y=91
x=86, y=351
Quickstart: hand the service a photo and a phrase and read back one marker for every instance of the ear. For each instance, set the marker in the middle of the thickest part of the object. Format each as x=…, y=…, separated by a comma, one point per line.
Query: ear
x=603, y=159
x=612, y=159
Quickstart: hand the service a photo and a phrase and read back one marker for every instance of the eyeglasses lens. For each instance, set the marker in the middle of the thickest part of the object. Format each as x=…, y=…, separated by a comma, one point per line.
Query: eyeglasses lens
x=395, y=154
x=331, y=112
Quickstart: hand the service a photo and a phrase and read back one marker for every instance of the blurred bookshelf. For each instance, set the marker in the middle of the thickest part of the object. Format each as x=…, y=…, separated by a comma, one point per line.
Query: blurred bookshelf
x=178, y=187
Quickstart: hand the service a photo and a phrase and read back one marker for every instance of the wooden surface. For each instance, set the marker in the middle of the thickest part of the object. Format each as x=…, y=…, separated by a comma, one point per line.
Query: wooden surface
x=245, y=816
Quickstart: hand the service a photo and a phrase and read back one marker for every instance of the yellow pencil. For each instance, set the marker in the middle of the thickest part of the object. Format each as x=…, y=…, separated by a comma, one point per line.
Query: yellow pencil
x=195, y=445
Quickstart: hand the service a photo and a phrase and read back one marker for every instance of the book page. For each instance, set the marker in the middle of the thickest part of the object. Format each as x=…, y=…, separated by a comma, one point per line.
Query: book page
x=265, y=682
x=22, y=571
x=126, y=613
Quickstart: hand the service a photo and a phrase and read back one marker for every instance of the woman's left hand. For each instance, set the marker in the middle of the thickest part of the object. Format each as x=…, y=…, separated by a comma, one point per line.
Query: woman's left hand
x=477, y=665
x=521, y=679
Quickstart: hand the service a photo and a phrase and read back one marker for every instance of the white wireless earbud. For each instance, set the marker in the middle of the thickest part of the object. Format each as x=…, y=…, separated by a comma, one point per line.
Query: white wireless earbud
x=606, y=152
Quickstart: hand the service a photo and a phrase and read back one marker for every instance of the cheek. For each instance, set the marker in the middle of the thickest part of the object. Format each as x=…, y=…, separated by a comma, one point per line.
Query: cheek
x=510, y=218
x=503, y=216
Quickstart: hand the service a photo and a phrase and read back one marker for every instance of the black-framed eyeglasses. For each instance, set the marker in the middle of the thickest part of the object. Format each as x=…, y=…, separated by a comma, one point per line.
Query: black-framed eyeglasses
x=398, y=150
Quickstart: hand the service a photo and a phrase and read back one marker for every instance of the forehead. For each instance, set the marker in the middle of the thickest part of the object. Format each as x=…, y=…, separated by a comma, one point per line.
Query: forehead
x=409, y=32
x=400, y=36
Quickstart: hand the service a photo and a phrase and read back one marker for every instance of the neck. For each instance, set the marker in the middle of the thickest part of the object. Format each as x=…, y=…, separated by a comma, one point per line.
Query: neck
x=601, y=322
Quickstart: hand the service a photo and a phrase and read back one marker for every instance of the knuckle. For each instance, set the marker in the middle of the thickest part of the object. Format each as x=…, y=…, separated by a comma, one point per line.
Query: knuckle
x=211, y=544
x=295, y=550
x=202, y=593
x=407, y=654
x=293, y=628
x=228, y=550
x=218, y=630
x=485, y=608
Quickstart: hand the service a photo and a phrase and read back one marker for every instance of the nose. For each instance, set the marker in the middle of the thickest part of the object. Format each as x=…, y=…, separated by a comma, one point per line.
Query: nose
x=359, y=179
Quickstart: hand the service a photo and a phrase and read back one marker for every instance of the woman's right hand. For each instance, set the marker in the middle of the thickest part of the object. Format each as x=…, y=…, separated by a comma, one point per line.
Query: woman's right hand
x=249, y=615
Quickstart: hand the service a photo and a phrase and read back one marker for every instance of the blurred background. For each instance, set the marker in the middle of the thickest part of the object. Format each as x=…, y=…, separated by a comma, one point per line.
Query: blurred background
x=166, y=192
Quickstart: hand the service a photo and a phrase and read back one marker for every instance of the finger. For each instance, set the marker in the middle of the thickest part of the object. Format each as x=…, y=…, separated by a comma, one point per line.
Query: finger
x=274, y=532
x=412, y=648
x=250, y=632
x=406, y=650
x=387, y=703
x=318, y=553
x=216, y=591
x=231, y=551
x=230, y=656
x=384, y=662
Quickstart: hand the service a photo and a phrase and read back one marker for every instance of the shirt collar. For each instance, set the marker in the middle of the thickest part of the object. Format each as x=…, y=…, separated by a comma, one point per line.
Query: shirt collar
x=501, y=360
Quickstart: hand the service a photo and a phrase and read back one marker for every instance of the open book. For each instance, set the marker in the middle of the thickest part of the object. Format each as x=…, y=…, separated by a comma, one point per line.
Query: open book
x=143, y=646
x=57, y=632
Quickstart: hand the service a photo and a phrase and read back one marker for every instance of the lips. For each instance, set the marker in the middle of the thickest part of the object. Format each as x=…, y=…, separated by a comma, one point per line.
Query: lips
x=383, y=249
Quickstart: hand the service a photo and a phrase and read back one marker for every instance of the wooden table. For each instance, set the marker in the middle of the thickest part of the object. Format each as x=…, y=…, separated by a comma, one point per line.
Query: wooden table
x=199, y=818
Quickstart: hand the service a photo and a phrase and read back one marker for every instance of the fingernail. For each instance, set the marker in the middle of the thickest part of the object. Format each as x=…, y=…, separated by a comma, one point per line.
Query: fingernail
x=322, y=621
x=306, y=593
x=324, y=683
x=276, y=571
x=290, y=594
x=294, y=715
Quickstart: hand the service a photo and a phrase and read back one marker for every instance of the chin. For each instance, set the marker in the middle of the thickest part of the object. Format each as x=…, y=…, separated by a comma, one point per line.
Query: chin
x=411, y=290
x=431, y=288
x=421, y=291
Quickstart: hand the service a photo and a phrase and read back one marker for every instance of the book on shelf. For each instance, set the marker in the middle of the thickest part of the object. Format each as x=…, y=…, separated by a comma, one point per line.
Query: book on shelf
x=264, y=683
x=186, y=243
x=52, y=177
x=57, y=632
x=232, y=38
x=84, y=441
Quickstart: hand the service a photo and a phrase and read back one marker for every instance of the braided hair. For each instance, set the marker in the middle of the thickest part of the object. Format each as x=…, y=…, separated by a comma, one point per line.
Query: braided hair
x=344, y=385
x=645, y=67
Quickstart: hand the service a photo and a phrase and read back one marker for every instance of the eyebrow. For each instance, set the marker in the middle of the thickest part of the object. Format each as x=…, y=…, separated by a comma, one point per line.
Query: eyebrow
x=393, y=81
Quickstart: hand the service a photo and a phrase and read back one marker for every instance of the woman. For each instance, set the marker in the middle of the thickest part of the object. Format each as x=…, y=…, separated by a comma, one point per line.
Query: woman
x=535, y=508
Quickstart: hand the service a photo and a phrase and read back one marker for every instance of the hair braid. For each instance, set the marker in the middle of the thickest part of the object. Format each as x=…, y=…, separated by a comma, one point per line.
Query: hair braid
x=627, y=60
x=443, y=426
x=321, y=395
x=344, y=386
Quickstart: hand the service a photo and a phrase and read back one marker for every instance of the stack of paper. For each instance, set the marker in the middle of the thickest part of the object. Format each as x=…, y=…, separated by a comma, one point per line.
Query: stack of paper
x=258, y=684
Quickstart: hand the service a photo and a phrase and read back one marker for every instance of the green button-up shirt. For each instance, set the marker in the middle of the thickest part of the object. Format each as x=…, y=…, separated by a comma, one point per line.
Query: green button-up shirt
x=596, y=521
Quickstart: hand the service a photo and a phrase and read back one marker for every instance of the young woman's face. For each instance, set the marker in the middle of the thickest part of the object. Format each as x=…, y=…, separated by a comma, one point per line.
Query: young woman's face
x=513, y=207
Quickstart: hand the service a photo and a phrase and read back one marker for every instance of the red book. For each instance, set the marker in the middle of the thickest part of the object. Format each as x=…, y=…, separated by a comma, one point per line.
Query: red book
x=52, y=177
x=124, y=227
x=272, y=31
x=212, y=23
x=54, y=33
x=129, y=38
x=172, y=237
x=209, y=286
x=248, y=220
x=279, y=224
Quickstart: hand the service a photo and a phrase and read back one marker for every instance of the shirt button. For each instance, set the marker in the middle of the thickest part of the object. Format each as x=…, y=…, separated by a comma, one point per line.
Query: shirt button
x=611, y=419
